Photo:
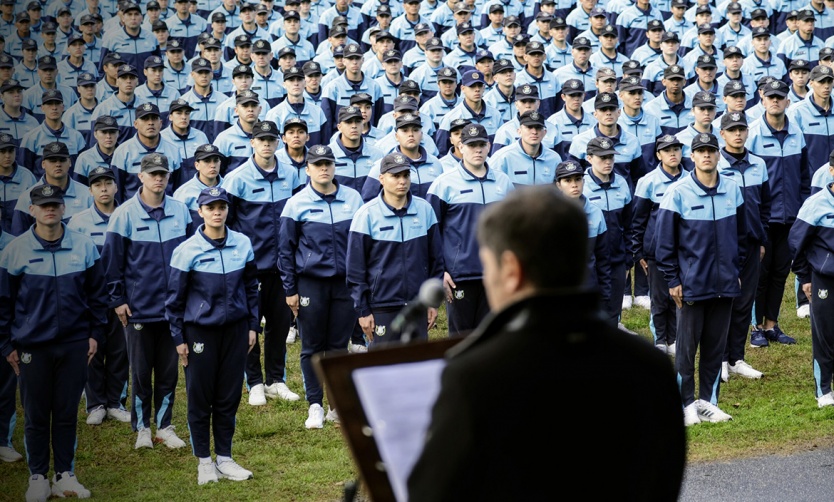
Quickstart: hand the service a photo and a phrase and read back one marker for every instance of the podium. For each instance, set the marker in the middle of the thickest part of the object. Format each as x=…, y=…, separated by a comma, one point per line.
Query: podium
x=365, y=391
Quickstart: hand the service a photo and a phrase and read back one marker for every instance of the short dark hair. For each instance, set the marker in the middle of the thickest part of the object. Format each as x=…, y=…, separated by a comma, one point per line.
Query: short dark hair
x=547, y=232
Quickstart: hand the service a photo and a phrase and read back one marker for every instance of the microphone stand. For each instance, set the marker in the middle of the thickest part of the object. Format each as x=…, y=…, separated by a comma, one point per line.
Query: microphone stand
x=410, y=329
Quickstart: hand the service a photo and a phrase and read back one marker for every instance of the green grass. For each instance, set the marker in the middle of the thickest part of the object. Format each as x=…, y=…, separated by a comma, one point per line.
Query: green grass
x=775, y=415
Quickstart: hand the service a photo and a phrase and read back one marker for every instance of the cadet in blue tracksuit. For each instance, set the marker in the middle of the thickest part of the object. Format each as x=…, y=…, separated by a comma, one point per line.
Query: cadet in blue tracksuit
x=56, y=164
x=148, y=139
x=750, y=174
x=672, y=106
x=49, y=339
x=700, y=244
x=781, y=144
x=458, y=196
x=811, y=241
x=208, y=161
x=295, y=105
x=204, y=97
x=294, y=137
x=647, y=196
x=14, y=181
x=394, y=246
x=570, y=180
x=235, y=141
x=121, y=105
x=528, y=161
x=425, y=167
x=8, y=389
x=472, y=107
x=106, y=389
x=134, y=43
x=812, y=116
x=212, y=306
x=142, y=233
x=336, y=94
x=258, y=191
x=354, y=157
x=313, y=262
x=611, y=193
x=185, y=138
x=104, y=135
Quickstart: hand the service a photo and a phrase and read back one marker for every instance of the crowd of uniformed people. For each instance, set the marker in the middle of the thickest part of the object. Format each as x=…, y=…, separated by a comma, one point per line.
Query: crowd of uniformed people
x=180, y=176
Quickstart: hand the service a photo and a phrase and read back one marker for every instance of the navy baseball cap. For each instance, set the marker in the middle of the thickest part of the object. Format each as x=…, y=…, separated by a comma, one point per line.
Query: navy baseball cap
x=600, y=146
x=473, y=133
x=56, y=150
x=472, y=77
x=666, y=141
x=42, y=195
x=154, y=163
x=704, y=140
x=207, y=151
x=105, y=123
x=99, y=173
x=295, y=122
x=394, y=163
x=318, y=153
x=212, y=194
x=567, y=169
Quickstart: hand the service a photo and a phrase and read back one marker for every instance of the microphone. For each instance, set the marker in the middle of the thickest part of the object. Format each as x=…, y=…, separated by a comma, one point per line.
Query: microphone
x=431, y=295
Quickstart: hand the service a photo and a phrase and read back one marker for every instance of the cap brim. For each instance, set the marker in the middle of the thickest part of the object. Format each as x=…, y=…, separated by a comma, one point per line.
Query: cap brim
x=397, y=169
x=48, y=200
x=56, y=156
x=468, y=140
x=155, y=169
x=600, y=153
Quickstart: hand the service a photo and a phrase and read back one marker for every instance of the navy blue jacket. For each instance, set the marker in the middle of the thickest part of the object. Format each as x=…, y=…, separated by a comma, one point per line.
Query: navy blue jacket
x=212, y=283
x=811, y=238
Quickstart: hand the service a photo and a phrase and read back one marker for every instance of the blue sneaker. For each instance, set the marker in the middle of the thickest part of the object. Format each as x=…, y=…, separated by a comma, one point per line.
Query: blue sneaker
x=777, y=335
x=758, y=339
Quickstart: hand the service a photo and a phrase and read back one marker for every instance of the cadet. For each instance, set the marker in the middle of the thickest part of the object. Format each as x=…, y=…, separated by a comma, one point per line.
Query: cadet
x=208, y=162
x=141, y=235
x=258, y=191
x=154, y=89
x=647, y=196
x=56, y=165
x=14, y=120
x=121, y=105
x=570, y=180
x=30, y=153
x=14, y=181
x=672, y=106
x=528, y=161
x=781, y=144
x=235, y=141
x=104, y=134
x=458, y=196
x=295, y=105
x=472, y=107
x=133, y=42
x=425, y=167
x=184, y=137
x=611, y=193
x=203, y=97
x=388, y=260
x=50, y=341
x=750, y=174
x=354, y=157
x=811, y=247
x=336, y=93
x=212, y=305
x=148, y=140
x=446, y=98
x=700, y=239
x=312, y=258
x=572, y=119
x=295, y=141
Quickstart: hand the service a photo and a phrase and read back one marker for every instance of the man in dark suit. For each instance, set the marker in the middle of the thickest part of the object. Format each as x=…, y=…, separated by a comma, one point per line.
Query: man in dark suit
x=491, y=436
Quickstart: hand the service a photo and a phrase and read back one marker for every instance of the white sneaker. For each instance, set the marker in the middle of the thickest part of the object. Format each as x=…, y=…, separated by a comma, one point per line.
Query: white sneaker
x=661, y=347
x=68, y=486
x=315, y=417
x=356, y=348
x=643, y=302
x=169, y=438
x=725, y=371
x=623, y=328
x=292, y=334
x=743, y=369
x=281, y=391
x=230, y=470
x=38, y=490
x=143, y=439
x=826, y=400
x=9, y=454
x=671, y=349
x=690, y=415
x=118, y=414
x=627, y=302
x=256, y=395
x=804, y=311
x=332, y=416
x=206, y=473
x=96, y=416
x=709, y=412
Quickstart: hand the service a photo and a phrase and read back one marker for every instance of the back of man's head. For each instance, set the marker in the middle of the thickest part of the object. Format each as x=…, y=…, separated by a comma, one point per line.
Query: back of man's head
x=546, y=231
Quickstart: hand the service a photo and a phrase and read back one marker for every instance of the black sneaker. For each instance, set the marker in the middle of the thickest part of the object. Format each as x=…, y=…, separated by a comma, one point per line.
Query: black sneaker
x=777, y=335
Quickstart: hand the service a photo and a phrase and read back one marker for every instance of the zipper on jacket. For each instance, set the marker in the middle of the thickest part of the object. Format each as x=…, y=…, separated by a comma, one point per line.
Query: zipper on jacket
x=715, y=240
x=225, y=283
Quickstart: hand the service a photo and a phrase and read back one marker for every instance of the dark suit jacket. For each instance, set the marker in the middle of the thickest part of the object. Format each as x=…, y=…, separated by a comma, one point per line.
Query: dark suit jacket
x=545, y=401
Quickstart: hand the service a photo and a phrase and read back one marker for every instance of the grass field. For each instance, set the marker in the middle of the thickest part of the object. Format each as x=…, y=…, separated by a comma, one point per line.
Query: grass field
x=775, y=415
